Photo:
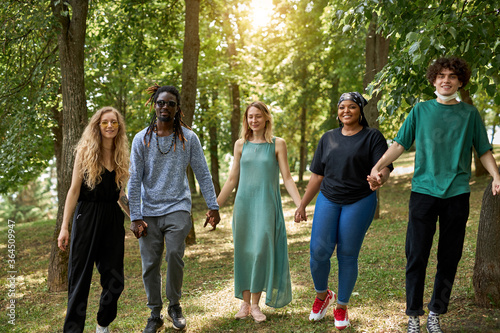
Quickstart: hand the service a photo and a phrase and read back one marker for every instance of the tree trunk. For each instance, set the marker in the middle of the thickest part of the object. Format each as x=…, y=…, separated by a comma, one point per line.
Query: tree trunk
x=377, y=53
x=190, y=76
x=480, y=169
x=486, y=278
x=214, y=159
x=303, y=143
x=334, y=98
x=71, y=43
x=214, y=147
x=234, y=86
x=376, y=56
x=493, y=130
x=236, y=113
x=190, y=60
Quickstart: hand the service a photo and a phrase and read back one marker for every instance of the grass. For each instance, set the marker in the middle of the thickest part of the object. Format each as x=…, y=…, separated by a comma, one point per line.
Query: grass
x=377, y=304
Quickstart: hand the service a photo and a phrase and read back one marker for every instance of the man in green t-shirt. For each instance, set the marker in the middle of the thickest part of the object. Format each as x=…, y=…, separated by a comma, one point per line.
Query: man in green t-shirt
x=444, y=131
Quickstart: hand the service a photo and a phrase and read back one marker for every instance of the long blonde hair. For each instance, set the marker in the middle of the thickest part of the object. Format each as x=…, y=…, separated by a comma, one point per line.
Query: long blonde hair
x=246, y=131
x=90, y=152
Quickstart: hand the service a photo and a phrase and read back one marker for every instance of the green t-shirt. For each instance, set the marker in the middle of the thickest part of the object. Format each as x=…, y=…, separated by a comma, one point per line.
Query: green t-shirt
x=444, y=136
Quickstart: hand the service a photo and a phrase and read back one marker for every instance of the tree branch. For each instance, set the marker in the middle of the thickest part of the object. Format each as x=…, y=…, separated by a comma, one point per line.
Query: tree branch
x=38, y=61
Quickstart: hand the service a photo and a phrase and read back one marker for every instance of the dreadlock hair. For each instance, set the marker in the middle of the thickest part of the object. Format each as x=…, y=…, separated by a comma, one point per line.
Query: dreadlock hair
x=155, y=91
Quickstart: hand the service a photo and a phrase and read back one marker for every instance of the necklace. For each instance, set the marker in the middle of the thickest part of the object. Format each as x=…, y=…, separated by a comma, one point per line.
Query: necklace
x=158, y=143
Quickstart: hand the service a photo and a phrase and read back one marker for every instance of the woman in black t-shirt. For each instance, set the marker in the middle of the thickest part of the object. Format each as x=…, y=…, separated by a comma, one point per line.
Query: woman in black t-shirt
x=345, y=205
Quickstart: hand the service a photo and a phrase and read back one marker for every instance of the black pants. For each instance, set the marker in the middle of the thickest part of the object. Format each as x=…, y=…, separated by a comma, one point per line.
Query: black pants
x=97, y=237
x=424, y=213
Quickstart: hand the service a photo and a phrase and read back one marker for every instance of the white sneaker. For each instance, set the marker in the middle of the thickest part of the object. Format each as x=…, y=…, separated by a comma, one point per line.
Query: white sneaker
x=321, y=307
x=433, y=324
x=100, y=329
x=413, y=324
x=341, y=319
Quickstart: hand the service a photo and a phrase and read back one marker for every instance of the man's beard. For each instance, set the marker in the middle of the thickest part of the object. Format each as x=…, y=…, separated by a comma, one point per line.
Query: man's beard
x=165, y=119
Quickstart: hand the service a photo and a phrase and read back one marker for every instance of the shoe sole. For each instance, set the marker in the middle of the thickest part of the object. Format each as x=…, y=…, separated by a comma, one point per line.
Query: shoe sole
x=340, y=328
x=173, y=325
x=241, y=318
x=159, y=328
x=428, y=331
x=259, y=321
x=320, y=316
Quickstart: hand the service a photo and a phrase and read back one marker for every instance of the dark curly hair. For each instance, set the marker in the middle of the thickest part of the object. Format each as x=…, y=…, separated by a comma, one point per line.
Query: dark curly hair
x=457, y=65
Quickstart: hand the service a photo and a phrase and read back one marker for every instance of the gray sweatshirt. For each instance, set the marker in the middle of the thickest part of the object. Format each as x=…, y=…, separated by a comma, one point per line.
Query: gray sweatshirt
x=159, y=181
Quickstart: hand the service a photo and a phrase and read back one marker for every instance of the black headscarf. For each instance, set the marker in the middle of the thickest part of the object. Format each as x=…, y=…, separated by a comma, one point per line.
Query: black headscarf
x=357, y=98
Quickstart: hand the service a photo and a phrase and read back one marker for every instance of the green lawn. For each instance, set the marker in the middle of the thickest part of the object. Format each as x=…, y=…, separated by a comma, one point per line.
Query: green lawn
x=377, y=304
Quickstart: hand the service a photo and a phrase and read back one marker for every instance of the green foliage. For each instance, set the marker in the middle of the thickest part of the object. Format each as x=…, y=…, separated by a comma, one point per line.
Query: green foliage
x=34, y=201
x=292, y=62
x=421, y=31
x=29, y=83
x=130, y=46
x=306, y=65
x=308, y=54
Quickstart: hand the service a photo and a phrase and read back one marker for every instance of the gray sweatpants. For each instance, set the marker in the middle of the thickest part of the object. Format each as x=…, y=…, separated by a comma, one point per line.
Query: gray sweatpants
x=172, y=230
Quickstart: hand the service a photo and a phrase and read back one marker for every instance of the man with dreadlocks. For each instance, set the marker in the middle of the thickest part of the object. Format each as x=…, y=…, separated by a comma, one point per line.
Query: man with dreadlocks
x=159, y=158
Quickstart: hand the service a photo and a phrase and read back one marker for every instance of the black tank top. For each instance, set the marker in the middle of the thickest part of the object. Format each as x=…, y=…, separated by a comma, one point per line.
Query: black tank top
x=105, y=191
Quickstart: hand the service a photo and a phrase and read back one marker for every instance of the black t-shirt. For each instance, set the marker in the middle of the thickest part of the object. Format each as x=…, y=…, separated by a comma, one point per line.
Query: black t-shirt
x=345, y=161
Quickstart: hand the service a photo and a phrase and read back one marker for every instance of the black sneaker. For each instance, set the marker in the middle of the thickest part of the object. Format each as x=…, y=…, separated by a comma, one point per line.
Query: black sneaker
x=154, y=324
x=413, y=325
x=433, y=324
x=174, y=314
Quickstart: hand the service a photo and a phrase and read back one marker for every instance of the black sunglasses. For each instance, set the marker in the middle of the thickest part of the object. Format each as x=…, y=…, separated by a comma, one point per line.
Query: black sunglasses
x=162, y=104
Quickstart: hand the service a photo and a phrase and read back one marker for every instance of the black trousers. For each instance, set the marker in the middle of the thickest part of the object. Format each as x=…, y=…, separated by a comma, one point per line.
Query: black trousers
x=97, y=237
x=424, y=213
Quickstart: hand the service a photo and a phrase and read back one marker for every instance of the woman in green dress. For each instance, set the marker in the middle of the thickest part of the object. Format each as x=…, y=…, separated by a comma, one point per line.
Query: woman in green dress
x=259, y=233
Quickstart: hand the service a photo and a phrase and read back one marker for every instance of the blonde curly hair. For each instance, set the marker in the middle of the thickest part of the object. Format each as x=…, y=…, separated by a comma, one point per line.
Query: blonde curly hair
x=89, y=151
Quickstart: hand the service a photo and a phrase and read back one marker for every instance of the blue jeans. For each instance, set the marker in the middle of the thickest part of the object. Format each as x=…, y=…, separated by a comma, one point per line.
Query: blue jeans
x=343, y=226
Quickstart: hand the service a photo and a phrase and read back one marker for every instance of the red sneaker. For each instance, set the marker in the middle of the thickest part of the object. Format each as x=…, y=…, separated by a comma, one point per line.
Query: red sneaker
x=321, y=307
x=341, y=319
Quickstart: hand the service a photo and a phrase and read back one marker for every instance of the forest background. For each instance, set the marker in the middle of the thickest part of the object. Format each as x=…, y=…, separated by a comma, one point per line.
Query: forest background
x=63, y=60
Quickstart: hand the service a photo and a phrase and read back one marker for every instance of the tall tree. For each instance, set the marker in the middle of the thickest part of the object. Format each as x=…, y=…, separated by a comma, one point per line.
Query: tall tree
x=72, y=16
x=230, y=29
x=486, y=279
x=191, y=52
x=376, y=56
x=190, y=76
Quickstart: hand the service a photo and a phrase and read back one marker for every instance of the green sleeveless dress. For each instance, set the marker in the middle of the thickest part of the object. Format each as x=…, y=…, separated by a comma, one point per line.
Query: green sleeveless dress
x=259, y=233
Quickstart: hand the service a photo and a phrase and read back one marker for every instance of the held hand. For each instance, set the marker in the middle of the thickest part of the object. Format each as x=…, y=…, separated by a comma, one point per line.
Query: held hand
x=374, y=183
x=300, y=215
x=213, y=218
x=139, y=228
x=495, y=187
x=377, y=175
x=63, y=239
